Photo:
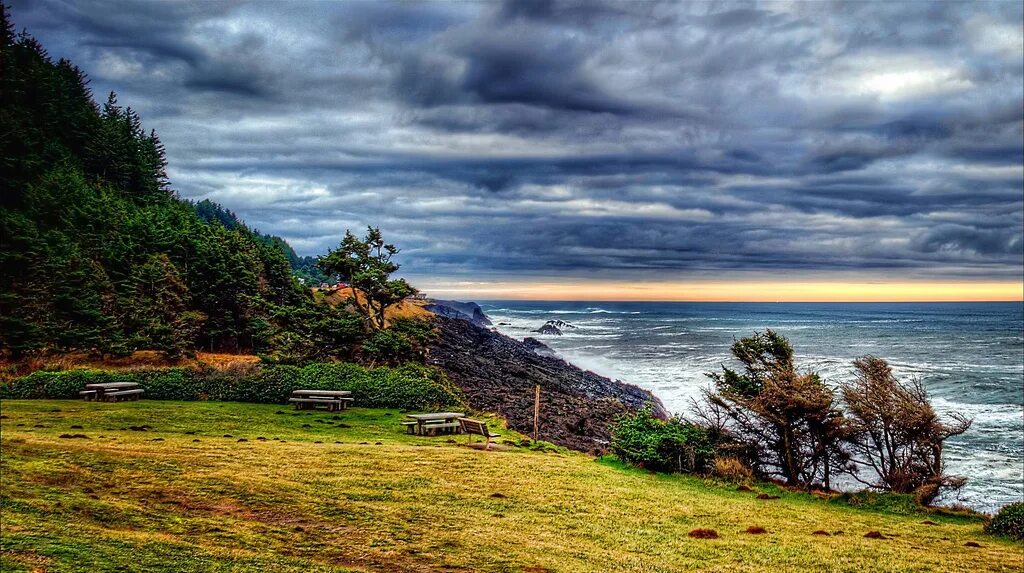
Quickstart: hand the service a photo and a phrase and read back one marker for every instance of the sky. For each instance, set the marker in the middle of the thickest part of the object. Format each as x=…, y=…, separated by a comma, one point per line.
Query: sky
x=598, y=150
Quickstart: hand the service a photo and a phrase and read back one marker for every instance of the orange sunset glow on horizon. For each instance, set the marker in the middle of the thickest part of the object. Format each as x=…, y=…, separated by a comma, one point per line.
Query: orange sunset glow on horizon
x=736, y=291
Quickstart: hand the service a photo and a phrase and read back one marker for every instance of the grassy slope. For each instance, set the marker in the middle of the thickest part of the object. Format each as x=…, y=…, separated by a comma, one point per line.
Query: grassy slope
x=124, y=499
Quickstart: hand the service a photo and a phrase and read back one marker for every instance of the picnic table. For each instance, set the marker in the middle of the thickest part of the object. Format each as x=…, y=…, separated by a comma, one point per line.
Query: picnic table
x=333, y=400
x=112, y=391
x=422, y=424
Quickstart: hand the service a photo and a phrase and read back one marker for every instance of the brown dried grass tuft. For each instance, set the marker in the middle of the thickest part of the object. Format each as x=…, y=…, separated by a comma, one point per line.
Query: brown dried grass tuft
x=732, y=470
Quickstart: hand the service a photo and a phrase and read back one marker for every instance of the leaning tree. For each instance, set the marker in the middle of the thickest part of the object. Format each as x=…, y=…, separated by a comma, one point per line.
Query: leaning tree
x=786, y=420
x=366, y=265
x=895, y=433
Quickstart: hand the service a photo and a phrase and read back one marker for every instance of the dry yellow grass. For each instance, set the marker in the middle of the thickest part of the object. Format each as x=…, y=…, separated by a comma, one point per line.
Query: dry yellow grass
x=157, y=500
x=138, y=359
x=410, y=308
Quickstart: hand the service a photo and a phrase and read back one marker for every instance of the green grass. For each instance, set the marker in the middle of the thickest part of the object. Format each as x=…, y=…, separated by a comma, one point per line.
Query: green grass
x=381, y=500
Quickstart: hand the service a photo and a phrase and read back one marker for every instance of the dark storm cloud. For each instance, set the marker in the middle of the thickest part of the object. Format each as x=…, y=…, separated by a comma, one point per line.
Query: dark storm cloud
x=597, y=139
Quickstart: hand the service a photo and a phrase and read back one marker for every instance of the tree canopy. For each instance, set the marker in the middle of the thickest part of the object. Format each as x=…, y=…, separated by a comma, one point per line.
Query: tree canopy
x=100, y=255
x=366, y=265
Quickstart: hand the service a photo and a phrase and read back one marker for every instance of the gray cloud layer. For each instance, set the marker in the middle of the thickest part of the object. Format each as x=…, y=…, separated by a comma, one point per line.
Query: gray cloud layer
x=670, y=140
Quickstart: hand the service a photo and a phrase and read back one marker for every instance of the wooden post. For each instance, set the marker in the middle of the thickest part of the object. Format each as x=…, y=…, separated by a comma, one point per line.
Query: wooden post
x=536, y=412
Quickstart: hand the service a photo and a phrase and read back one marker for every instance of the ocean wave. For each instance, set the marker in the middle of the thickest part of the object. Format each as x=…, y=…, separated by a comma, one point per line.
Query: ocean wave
x=967, y=366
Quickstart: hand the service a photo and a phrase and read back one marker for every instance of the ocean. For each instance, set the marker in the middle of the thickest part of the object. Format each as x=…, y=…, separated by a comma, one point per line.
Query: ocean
x=969, y=356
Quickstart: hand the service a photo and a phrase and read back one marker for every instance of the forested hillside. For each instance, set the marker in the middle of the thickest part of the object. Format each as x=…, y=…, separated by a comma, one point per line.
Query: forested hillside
x=304, y=268
x=99, y=254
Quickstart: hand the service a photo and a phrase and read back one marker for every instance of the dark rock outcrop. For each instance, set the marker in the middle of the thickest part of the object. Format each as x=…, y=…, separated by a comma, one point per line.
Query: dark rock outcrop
x=498, y=374
x=549, y=329
x=554, y=327
x=470, y=311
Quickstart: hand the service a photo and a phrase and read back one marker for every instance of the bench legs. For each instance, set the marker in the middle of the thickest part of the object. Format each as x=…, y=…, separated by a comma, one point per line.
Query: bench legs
x=330, y=407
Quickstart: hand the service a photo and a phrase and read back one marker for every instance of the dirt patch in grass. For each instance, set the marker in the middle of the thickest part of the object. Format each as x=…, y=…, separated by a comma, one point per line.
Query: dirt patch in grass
x=703, y=534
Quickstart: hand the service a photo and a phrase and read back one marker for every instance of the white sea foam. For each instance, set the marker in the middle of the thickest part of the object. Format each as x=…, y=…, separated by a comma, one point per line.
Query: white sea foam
x=968, y=366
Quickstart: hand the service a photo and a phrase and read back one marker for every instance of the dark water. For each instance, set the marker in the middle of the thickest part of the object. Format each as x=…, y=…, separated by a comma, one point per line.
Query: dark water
x=969, y=356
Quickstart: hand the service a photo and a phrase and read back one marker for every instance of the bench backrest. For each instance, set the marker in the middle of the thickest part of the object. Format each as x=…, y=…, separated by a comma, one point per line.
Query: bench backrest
x=471, y=426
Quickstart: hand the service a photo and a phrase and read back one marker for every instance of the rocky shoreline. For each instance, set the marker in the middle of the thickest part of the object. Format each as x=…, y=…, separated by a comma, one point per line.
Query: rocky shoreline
x=498, y=374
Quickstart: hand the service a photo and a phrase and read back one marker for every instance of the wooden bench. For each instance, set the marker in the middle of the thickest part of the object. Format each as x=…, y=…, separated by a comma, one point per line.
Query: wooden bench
x=112, y=391
x=433, y=427
x=470, y=427
x=434, y=421
x=321, y=393
x=410, y=427
x=343, y=401
x=112, y=386
x=332, y=404
x=132, y=394
x=334, y=400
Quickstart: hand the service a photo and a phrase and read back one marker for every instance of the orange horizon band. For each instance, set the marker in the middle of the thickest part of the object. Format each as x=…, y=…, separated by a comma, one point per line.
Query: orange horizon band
x=750, y=291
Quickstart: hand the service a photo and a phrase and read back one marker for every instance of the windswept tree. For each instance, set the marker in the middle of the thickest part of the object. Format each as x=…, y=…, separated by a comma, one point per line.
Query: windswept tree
x=787, y=420
x=896, y=434
x=366, y=265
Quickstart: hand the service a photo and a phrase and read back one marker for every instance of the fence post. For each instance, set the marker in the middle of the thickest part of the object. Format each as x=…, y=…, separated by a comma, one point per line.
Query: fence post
x=536, y=412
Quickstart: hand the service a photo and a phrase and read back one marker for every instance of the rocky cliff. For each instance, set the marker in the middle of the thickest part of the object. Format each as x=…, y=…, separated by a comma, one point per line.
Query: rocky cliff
x=470, y=311
x=498, y=374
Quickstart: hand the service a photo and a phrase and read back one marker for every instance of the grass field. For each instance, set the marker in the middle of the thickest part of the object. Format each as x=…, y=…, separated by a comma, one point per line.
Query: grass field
x=353, y=493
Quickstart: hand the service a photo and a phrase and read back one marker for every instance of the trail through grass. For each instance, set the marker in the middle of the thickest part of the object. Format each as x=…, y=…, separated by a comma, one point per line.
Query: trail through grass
x=193, y=487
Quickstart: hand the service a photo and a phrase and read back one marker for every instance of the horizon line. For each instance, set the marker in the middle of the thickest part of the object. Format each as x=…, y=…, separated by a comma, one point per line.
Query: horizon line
x=922, y=301
x=754, y=291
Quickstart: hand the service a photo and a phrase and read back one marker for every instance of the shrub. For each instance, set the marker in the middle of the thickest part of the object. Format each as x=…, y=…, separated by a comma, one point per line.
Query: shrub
x=1008, y=522
x=270, y=385
x=168, y=383
x=386, y=345
x=406, y=340
x=221, y=383
x=412, y=387
x=671, y=445
x=407, y=387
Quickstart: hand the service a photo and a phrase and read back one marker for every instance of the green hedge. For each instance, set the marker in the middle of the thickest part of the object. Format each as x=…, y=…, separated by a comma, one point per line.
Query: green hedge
x=1008, y=522
x=672, y=445
x=407, y=387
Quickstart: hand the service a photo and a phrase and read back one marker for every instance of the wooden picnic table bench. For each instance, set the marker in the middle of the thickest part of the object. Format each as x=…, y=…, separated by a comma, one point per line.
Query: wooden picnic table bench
x=433, y=422
x=133, y=394
x=334, y=393
x=112, y=391
x=433, y=427
x=111, y=385
x=333, y=400
x=470, y=427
